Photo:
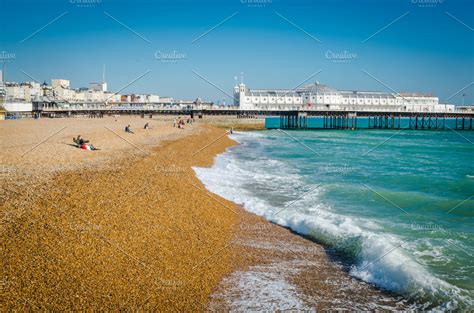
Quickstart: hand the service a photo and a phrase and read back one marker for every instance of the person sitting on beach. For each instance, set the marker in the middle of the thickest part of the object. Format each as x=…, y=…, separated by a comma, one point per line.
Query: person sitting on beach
x=128, y=129
x=146, y=126
x=79, y=141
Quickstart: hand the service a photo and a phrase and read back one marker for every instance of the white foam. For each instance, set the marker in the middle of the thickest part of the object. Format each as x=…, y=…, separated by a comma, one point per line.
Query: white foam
x=381, y=258
x=262, y=287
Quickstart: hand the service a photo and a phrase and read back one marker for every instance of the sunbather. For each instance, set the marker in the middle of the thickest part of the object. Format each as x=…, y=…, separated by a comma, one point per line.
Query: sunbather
x=88, y=146
x=79, y=141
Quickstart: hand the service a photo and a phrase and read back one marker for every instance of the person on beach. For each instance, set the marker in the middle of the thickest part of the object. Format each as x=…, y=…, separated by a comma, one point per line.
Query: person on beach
x=147, y=126
x=174, y=122
x=83, y=144
x=128, y=129
x=79, y=141
x=88, y=146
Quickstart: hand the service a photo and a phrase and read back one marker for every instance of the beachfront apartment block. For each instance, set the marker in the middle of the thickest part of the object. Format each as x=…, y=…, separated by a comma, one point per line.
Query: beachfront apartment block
x=17, y=92
x=60, y=91
x=321, y=97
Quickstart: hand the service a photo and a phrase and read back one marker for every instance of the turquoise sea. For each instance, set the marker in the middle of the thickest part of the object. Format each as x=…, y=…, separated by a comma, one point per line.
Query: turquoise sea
x=398, y=206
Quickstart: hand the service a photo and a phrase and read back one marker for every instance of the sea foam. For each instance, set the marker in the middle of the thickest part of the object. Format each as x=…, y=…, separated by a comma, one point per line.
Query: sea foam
x=377, y=258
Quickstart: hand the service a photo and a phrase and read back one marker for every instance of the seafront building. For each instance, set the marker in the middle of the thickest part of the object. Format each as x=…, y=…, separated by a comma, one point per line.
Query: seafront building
x=19, y=97
x=321, y=97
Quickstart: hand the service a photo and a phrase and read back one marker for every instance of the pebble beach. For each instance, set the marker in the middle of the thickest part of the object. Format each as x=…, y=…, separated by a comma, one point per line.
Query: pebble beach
x=130, y=227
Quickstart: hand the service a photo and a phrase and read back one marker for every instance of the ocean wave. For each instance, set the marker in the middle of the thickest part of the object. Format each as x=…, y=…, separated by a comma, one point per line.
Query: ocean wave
x=379, y=258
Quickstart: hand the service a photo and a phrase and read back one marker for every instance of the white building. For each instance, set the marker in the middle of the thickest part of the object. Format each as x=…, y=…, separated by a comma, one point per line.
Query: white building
x=91, y=96
x=61, y=90
x=60, y=83
x=167, y=100
x=321, y=97
x=111, y=97
x=31, y=91
x=153, y=98
x=98, y=86
x=14, y=92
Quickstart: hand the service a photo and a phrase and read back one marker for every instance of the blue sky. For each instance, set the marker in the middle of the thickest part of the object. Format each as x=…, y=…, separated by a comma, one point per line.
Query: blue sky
x=404, y=45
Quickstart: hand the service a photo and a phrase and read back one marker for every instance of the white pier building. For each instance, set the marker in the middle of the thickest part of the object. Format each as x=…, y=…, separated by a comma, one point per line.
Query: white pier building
x=321, y=97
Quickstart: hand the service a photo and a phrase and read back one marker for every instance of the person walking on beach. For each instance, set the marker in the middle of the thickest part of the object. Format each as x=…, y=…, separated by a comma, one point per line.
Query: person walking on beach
x=128, y=129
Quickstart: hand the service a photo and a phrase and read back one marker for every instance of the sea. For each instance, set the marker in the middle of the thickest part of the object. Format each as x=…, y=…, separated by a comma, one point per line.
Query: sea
x=396, y=205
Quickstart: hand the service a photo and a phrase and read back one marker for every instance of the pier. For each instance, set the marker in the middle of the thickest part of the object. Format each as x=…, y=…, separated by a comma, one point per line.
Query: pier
x=276, y=119
x=370, y=120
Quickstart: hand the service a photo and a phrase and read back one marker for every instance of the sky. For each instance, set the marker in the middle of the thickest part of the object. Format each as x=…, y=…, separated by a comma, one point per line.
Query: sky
x=188, y=49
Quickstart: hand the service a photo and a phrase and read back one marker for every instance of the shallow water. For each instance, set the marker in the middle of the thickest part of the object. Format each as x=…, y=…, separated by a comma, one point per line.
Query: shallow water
x=398, y=205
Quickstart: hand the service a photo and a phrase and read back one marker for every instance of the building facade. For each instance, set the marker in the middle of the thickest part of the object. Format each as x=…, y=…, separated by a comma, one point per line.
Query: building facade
x=98, y=86
x=321, y=97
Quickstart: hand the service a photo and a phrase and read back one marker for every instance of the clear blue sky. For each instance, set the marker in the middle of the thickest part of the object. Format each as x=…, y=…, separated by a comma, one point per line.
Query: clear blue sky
x=413, y=46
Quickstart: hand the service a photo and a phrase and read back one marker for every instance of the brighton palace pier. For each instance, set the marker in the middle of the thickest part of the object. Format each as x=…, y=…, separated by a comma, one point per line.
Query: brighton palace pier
x=320, y=97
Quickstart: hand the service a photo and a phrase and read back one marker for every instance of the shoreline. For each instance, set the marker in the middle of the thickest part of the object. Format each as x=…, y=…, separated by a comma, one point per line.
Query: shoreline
x=83, y=243
x=276, y=268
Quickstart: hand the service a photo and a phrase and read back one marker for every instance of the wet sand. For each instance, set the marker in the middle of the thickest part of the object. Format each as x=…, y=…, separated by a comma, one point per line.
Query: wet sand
x=131, y=227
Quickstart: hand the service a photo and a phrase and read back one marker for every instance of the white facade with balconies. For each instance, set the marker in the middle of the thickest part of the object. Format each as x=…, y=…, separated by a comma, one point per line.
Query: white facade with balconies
x=320, y=97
